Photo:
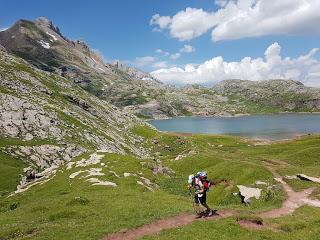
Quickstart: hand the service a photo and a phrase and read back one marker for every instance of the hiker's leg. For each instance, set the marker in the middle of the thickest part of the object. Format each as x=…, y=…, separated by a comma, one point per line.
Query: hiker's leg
x=206, y=206
x=203, y=201
x=197, y=206
x=209, y=212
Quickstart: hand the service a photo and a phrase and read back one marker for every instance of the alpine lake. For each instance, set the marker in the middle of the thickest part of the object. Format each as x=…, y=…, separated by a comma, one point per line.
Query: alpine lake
x=269, y=127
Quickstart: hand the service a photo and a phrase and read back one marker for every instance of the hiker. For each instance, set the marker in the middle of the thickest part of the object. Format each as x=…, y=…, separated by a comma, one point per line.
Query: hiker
x=201, y=185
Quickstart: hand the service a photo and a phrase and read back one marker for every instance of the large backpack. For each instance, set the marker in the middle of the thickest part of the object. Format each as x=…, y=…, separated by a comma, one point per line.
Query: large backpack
x=206, y=184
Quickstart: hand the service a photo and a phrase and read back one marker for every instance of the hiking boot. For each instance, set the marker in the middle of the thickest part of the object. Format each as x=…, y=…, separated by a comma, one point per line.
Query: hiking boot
x=210, y=212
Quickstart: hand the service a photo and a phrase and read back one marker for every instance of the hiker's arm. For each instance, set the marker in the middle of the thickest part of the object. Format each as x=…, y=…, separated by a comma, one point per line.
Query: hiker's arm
x=201, y=190
x=211, y=183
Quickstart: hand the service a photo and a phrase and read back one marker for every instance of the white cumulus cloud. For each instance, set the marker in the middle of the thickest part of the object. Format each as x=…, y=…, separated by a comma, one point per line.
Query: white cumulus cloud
x=161, y=21
x=305, y=68
x=221, y=3
x=187, y=49
x=244, y=18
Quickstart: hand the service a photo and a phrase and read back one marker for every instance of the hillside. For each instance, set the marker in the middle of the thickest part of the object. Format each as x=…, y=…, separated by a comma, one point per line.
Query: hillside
x=42, y=44
x=49, y=120
x=286, y=95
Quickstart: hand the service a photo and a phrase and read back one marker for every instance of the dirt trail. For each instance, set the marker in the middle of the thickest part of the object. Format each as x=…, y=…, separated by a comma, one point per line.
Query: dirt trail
x=162, y=224
x=294, y=201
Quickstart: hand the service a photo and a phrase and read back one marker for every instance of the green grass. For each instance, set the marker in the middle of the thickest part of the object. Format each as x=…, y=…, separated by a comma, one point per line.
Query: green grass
x=66, y=208
x=144, y=131
x=10, y=170
x=57, y=214
x=304, y=225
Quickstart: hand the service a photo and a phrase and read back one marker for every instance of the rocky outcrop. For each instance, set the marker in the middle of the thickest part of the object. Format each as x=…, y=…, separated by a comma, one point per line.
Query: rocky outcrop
x=20, y=118
x=44, y=156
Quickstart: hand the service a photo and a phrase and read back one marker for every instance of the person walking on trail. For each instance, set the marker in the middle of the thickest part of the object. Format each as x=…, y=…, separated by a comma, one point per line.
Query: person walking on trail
x=200, y=183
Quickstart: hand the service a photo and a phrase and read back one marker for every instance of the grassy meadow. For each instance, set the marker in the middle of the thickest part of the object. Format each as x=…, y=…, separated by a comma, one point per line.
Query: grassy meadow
x=66, y=208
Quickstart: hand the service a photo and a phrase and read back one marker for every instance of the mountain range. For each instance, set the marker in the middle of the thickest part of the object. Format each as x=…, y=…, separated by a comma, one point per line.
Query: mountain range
x=42, y=44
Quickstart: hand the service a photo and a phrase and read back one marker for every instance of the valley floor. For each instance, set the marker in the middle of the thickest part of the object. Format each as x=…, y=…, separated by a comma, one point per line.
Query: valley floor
x=102, y=193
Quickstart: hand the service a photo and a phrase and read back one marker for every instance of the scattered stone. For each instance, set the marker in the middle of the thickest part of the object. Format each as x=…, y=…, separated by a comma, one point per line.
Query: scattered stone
x=114, y=173
x=129, y=174
x=73, y=175
x=158, y=168
x=258, y=182
x=291, y=177
x=307, y=178
x=97, y=182
x=94, y=172
x=142, y=184
x=247, y=193
x=94, y=159
x=91, y=172
x=179, y=157
x=69, y=165
x=280, y=180
x=155, y=141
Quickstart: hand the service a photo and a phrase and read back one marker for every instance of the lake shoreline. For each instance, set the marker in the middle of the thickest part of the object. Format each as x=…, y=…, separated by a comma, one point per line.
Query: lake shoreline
x=230, y=115
x=260, y=127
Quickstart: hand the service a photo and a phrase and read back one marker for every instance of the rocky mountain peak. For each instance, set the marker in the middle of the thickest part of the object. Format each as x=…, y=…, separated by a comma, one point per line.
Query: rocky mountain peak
x=46, y=24
x=44, y=21
x=135, y=73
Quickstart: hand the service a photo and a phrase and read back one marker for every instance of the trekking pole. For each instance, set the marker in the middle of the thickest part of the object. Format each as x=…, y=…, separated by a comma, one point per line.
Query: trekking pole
x=193, y=203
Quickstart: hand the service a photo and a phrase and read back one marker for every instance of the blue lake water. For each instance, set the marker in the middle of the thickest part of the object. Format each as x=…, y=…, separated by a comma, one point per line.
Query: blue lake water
x=273, y=127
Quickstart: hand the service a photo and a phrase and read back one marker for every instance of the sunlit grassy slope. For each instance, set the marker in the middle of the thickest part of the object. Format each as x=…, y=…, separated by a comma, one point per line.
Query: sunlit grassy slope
x=65, y=208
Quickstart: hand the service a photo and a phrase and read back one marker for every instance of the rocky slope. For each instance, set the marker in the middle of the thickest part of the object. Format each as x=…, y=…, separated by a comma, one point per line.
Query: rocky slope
x=287, y=95
x=47, y=120
x=42, y=44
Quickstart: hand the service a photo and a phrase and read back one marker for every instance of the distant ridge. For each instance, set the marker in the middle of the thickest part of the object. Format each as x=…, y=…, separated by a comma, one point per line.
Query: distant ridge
x=42, y=44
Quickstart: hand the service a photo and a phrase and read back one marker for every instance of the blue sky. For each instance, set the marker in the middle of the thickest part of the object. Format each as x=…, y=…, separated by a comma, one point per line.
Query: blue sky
x=121, y=30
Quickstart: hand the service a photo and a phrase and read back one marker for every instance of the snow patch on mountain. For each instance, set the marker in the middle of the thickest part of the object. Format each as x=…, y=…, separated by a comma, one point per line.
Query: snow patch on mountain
x=44, y=44
x=53, y=36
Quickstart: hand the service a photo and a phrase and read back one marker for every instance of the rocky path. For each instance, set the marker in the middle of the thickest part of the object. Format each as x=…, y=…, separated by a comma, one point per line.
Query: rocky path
x=294, y=201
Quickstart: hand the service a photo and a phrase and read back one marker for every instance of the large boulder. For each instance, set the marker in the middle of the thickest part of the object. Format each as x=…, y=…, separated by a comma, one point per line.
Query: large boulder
x=248, y=192
x=308, y=178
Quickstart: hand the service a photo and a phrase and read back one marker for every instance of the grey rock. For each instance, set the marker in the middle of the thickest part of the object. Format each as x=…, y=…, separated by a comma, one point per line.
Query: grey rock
x=247, y=193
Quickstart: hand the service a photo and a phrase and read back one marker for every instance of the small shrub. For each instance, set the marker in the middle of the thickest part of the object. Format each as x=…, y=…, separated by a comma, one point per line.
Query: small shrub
x=13, y=206
x=269, y=194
